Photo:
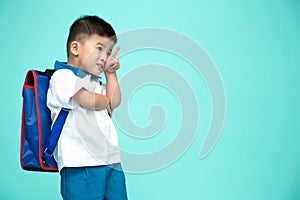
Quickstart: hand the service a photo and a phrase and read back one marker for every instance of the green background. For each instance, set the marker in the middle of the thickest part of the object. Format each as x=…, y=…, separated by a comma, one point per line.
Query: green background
x=255, y=46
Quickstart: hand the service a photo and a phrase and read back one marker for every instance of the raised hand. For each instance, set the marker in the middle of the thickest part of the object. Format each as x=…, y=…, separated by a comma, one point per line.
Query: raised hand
x=112, y=63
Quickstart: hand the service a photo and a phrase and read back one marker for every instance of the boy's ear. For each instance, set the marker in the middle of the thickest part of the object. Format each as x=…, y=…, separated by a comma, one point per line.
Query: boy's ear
x=74, y=48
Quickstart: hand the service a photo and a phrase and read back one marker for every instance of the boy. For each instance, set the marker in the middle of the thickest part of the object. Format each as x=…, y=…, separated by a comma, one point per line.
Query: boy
x=87, y=152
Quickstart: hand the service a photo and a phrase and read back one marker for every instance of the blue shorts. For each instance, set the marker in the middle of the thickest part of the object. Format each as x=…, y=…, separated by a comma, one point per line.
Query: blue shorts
x=93, y=183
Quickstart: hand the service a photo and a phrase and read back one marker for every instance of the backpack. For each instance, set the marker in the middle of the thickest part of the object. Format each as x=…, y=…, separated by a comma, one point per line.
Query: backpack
x=38, y=139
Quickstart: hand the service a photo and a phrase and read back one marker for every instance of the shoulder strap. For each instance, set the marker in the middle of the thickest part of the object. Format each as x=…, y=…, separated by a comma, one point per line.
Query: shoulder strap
x=54, y=137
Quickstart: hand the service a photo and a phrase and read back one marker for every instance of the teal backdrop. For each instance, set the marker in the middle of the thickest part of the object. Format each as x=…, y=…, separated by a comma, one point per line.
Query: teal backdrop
x=255, y=46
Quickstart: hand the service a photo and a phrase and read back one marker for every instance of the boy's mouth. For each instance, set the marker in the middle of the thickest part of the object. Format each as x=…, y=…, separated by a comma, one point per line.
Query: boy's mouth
x=100, y=66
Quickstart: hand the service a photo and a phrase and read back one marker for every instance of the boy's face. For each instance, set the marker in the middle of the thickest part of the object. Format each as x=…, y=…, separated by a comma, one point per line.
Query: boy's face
x=93, y=53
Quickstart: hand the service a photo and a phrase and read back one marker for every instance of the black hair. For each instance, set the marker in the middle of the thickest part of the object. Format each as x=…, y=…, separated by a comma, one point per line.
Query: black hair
x=86, y=26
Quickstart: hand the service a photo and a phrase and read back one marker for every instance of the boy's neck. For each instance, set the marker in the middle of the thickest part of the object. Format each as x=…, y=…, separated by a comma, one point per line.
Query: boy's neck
x=72, y=63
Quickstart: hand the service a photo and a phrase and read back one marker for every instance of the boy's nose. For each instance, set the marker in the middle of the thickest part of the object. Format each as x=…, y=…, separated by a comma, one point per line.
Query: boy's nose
x=103, y=57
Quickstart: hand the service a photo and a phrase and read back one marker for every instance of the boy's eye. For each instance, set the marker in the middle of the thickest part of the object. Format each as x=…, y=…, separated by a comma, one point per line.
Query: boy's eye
x=108, y=53
x=99, y=48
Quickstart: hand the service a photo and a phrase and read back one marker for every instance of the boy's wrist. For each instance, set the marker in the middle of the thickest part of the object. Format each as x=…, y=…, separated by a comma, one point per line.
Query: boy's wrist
x=108, y=73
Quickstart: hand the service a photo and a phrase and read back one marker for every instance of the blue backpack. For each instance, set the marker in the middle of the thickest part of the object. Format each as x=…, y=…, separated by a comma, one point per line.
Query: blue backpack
x=38, y=139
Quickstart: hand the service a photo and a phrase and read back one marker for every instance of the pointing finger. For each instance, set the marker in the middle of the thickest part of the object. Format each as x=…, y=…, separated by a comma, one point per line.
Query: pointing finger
x=113, y=54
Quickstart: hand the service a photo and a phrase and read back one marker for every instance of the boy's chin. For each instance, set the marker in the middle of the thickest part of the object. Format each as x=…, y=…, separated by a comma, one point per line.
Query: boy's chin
x=97, y=72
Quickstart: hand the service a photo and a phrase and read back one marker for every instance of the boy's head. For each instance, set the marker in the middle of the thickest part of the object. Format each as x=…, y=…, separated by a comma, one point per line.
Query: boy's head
x=90, y=37
x=86, y=26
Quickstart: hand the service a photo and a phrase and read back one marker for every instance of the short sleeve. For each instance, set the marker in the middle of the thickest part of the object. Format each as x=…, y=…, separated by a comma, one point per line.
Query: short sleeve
x=62, y=87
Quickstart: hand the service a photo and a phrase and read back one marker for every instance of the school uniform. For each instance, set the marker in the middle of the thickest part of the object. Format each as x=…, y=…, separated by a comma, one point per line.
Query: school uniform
x=87, y=152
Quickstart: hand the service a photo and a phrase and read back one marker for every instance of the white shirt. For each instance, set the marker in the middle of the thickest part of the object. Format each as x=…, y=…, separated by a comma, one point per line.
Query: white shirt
x=88, y=137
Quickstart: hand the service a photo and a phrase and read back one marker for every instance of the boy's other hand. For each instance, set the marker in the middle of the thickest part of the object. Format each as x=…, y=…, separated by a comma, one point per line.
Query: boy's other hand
x=112, y=63
x=109, y=110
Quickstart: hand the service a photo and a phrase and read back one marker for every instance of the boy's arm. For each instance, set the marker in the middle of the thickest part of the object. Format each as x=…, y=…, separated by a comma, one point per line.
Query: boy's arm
x=113, y=91
x=90, y=100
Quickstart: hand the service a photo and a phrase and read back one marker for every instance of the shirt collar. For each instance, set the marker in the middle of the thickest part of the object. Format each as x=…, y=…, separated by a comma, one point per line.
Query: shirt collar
x=63, y=65
x=77, y=72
